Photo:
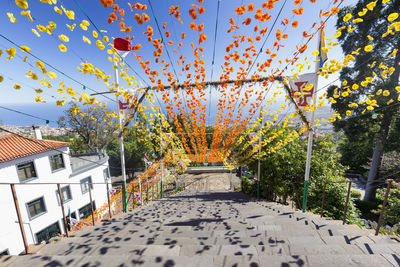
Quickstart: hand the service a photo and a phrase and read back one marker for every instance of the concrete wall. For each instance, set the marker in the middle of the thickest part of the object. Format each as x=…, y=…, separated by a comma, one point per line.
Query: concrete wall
x=10, y=235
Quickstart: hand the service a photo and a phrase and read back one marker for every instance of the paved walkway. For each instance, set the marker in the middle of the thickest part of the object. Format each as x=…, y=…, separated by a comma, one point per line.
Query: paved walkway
x=216, y=229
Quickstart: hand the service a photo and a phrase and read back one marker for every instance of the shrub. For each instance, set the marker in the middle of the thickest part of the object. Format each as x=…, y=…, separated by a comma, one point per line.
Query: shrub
x=392, y=210
x=355, y=194
x=282, y=176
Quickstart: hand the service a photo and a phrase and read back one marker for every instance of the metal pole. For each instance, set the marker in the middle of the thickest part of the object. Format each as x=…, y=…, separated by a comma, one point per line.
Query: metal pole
x=347, y=203
x=140, y=190
x=383, y=207
x=108, y=200
x=259, y=155
x=62, y=209
x=21, y=226
x=230, y=180
x=147, y=189
x=323, y=200
x=91, y=202
x=162, y=165
x=311, y=134
x=241, y=179
x=121, y=145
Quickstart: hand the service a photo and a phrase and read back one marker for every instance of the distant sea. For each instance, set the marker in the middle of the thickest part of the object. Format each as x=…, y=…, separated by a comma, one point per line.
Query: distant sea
x=51, y=112
x=44, y=111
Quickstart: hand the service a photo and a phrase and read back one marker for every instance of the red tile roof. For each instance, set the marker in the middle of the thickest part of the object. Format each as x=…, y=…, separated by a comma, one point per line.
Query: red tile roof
x=13, y=146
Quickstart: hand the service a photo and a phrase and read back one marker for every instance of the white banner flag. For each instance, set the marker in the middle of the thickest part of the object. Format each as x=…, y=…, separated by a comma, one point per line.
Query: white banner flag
x=302, y=88
x=254, y=137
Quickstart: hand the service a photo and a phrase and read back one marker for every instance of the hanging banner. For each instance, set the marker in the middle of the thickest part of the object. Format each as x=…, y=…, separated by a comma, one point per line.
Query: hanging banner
x=127, y=102
x=302, y=89
x=254, y=139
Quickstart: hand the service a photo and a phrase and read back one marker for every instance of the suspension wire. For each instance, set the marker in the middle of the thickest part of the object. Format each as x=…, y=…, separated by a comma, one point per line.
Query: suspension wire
x=56, y=69
x=265, y=40
x=100, y=32
x=212, y=66
x=27, y=114
x=294, y=57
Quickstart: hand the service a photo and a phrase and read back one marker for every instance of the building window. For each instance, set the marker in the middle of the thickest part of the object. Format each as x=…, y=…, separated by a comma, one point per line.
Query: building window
x=86, y=211
x=36, y=208
x=106, y=174
x=85, y=183
x=49, y=232
x=66, y=194
x=26, y=171
x=57, y=162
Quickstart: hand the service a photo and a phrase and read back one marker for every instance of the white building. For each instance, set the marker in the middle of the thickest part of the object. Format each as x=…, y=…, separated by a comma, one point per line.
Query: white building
x=28, y=162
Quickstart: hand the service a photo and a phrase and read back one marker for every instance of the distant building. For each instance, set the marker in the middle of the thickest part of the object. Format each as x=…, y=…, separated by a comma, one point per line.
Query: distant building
x=28, y=162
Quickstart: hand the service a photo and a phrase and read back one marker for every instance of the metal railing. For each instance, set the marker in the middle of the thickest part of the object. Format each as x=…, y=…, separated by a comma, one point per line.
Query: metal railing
x=149, y=189
x=385, y=200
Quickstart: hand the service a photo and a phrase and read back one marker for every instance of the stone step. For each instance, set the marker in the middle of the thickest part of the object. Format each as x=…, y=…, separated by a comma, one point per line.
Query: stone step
x=204, y=260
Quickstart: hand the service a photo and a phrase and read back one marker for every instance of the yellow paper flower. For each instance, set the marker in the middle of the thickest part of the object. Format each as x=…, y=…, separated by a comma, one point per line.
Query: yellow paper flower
x=62, y=48
x=84, y=25
x=28, y=14
x=354, y=86
x=86, y=40
x=338, y=34
x=39, y=91
x=11, y=17
x=348, y=112
x=32, y=76
x=22, y=4
x=106, y=39
x=52, y=75
x=59, y=11
x=17, y=86
x=1, y=78
x=386, y=93
x=25, y=48
x=50, y=2
x=357, y=20
x=69, y=13
x=347, y=17
x=368, y=48
x=39, y=99
x=95, y=34
x=363, y=12
x=11, y=52
x=63, y=38
x=60, y=103
x=393, y=16
x=72, y=27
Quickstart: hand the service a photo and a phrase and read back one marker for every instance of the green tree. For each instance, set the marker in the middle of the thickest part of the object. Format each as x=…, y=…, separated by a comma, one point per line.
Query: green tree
x=137, y=143
x=282, y=176
x=92, y=126
x=375, y=24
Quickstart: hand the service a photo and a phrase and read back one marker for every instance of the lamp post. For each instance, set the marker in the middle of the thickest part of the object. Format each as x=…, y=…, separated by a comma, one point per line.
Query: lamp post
x=122, y=47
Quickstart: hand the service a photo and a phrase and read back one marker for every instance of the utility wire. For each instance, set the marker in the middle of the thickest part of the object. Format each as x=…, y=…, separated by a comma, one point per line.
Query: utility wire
x=26, y=114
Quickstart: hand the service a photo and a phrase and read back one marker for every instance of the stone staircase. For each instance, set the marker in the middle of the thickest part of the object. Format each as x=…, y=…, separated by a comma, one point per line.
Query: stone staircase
x=216, y=229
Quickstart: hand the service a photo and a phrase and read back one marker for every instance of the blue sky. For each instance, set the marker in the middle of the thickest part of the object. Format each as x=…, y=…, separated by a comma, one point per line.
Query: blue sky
x=46, y=47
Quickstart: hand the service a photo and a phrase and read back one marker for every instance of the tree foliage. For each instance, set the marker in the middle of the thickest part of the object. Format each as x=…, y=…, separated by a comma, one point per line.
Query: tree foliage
x=366, y=137
x=282, y=176
x=94, y=128
x=137, y=143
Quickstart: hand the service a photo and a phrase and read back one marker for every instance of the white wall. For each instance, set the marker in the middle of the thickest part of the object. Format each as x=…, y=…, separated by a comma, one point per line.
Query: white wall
x=10, y=235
